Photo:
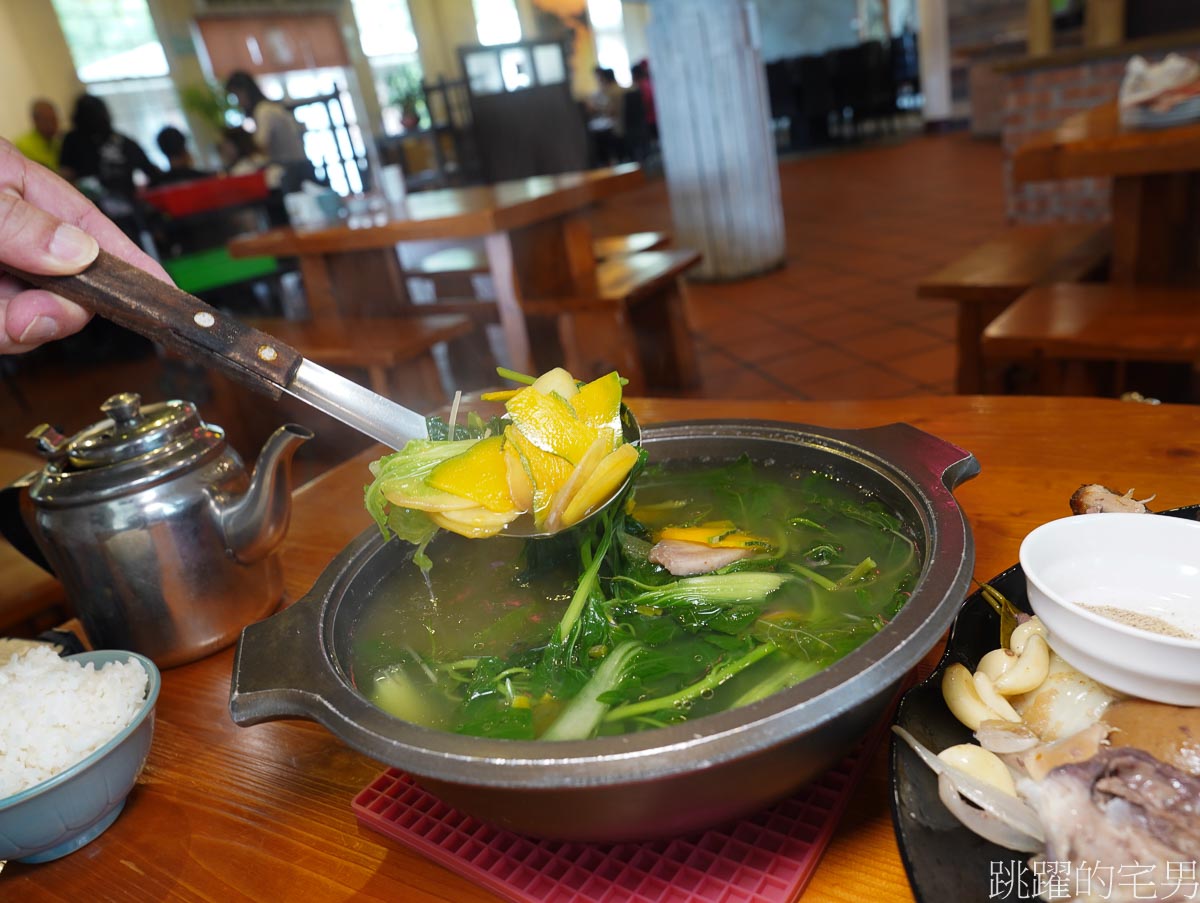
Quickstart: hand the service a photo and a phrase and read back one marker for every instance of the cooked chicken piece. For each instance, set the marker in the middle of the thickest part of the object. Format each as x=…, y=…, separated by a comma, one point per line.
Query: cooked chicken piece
x=1119, y=808
x=686, y=559
x=1092, y=498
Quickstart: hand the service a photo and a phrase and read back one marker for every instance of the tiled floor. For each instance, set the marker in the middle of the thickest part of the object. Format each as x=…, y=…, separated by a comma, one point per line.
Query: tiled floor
x=841, y=319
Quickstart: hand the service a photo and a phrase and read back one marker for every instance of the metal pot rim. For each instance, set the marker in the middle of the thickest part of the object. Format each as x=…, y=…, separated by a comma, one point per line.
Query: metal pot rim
x=921, y=466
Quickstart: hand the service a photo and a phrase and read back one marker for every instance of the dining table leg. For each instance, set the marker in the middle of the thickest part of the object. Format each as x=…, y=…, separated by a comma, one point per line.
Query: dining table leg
x=499, y=252
x=318, y=286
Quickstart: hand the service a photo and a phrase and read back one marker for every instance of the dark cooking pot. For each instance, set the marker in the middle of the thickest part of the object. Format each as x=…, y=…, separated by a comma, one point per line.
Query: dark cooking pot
x=659, y=782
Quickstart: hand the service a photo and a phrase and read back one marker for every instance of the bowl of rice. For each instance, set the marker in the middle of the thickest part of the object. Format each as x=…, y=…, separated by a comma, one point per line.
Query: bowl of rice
x=74, y=735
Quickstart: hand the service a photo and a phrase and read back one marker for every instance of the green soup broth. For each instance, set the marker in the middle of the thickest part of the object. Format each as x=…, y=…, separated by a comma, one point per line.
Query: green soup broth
x=478, y=644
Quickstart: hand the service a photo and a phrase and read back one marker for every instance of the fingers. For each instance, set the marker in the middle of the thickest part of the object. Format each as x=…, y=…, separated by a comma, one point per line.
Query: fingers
x=46, y=191
x=33, y=240
x=29, y=318
x=48, y=227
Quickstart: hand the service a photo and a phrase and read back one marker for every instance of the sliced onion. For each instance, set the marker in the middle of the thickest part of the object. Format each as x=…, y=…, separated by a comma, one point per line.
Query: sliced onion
x=1011, y=811
x=1004, y=737
x=984, y=823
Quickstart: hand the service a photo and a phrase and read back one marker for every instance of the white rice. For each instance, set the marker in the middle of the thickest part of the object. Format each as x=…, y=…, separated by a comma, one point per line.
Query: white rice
x=54, y=713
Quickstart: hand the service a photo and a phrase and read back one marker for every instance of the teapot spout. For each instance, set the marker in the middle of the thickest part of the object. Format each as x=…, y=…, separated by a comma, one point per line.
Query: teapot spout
x=256, y=523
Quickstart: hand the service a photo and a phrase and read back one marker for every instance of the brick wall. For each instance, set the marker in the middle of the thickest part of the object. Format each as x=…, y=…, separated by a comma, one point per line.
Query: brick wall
x=1038, y=101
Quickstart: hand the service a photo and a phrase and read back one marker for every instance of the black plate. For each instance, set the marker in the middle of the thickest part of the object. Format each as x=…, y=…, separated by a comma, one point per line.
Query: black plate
x=943, y=859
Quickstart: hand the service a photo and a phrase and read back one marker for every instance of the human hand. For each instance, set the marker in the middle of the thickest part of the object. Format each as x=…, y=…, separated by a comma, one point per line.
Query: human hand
x=48, y=227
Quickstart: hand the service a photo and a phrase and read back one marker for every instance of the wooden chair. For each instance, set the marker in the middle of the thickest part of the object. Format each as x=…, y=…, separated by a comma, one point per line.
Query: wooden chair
x=637, y=323
x=384, y=347
x=989, y=278
x=1066, y=328
x=31, y=600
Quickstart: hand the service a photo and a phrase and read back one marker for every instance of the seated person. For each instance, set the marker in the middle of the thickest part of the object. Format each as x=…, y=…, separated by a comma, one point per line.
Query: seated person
x=173, y=144
x=239, y=154
x=42, y=144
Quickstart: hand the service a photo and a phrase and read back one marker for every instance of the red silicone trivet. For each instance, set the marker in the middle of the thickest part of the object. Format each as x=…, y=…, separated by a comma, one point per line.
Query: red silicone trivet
x=764, y=858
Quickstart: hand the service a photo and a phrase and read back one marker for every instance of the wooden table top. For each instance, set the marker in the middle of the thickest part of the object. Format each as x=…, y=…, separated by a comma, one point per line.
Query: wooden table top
x=1094, y=143
x=263, y=813
x=451, y=213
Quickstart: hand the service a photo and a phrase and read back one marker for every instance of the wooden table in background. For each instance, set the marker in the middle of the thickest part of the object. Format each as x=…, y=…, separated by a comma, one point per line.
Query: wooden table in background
x=1155, y=195
x=536, y=236
x=263, y=813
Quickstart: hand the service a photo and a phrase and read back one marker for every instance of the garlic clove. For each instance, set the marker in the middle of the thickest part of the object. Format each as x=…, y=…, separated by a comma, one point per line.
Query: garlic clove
x=993, y=700
x=981, y=764
x=963, y=700
x=996, y=663
x=1030, y=670
x=1023, y=631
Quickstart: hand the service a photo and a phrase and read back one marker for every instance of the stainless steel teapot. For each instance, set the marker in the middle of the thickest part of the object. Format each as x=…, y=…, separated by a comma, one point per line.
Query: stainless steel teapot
x=162, y=540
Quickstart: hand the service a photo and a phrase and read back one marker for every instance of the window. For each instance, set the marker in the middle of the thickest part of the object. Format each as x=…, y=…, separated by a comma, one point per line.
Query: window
x=333, y=140
x=385, y=31
x=385, y=28
x=119, y=58
x=609, y=28
x=497, y=22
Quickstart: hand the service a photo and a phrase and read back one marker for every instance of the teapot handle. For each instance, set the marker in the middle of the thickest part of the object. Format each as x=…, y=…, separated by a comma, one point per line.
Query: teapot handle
x=13, y=526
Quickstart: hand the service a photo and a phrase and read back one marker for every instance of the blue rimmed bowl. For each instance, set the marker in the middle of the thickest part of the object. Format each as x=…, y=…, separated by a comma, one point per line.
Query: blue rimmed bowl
x=73, y=808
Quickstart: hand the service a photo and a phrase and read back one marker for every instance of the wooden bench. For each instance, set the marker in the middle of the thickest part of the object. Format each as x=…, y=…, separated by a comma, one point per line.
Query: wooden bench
x=613, y=246
x=1063, y=325
x=989, y=278
x=637, y=323
x=382, y=346
x=451, y=266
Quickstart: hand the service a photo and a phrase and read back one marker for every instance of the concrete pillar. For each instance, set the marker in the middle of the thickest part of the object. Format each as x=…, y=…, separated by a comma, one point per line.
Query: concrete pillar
x=715, y=125
x=933, y=50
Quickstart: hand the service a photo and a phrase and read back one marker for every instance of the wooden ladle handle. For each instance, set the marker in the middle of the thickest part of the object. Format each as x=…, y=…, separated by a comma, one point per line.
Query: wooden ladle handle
x=133, y=298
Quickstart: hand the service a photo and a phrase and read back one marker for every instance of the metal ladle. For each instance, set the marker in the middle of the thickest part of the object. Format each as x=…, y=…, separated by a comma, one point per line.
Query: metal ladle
x=133, y=298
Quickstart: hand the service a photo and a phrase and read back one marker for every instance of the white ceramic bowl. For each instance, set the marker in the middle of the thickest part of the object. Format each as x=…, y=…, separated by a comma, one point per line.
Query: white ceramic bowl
x=1145, y=564
x=73, y=808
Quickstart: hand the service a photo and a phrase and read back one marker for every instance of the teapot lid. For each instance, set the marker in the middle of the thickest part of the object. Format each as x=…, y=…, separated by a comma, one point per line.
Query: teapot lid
x=136, y=445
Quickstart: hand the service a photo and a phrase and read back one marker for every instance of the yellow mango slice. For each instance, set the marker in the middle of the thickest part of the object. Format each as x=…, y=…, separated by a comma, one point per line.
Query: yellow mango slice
x=479, y=474
x=716, y=535
x=656, y=513
x=598, y=403
x=602, y=483
x=547, y=472
x=580, y=475
x=500, y=395
x=549, y=423
x=474, y=523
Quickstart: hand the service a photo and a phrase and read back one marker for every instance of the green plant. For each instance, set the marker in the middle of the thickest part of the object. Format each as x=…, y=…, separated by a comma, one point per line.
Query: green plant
x=209, y=103
x=405, y=91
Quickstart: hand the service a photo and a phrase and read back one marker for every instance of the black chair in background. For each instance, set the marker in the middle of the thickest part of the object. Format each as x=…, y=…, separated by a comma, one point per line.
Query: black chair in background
x=639, y=138
x=816, y=101
x=844, y=93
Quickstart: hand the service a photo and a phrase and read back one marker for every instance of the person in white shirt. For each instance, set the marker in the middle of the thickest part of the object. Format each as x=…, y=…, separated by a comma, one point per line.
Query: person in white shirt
x=276, y=132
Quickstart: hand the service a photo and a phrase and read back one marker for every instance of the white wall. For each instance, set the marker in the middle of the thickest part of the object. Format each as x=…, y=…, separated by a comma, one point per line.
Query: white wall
x=34, y=62
x=797, y=27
